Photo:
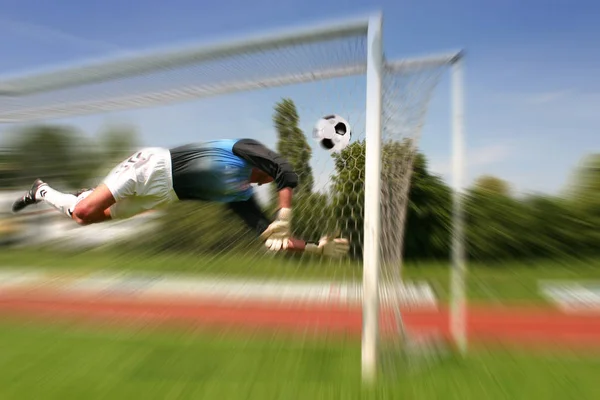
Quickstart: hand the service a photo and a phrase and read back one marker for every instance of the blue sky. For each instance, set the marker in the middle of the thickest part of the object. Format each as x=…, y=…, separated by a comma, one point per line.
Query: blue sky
x=532, y=81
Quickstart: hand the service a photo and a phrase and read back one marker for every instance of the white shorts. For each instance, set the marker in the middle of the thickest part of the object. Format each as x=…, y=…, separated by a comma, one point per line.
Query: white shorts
x=142, y=182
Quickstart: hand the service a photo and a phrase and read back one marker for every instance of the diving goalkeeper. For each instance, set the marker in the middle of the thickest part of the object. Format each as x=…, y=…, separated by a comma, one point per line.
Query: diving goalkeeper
x=216, y=171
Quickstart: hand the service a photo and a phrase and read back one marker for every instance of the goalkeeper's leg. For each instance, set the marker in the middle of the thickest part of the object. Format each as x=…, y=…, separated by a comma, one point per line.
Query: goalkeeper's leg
x=84, y=207
x=90, y=206
x=93, y=206
x=101, y=206
x=140, y=183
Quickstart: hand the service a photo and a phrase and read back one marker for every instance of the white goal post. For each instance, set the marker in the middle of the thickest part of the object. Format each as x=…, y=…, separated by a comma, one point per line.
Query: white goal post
x=127, y=83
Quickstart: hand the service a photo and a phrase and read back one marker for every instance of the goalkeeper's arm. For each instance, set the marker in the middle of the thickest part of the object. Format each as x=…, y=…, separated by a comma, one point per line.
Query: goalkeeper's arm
x=327, y=246
x=277, y=233
x=250, y=212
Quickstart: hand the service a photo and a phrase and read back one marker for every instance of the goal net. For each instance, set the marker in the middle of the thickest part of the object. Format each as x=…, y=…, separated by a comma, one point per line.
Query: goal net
x=273, y=88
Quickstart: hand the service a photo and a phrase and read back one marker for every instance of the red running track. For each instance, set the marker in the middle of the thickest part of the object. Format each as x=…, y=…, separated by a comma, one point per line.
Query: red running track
x=517, y=325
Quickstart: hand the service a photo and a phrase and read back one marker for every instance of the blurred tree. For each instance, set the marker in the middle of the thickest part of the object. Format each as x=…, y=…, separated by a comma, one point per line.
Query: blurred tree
x=496, y=226
x=556, y=229
x=52, y=152
x=292, y=144
x=586, y=191
x=117, y=143
x=348, y=194
x=492, y=185
x=585, y=198
x=199, y=228
x=428, y=224
x=423, y=197
x=8, y=171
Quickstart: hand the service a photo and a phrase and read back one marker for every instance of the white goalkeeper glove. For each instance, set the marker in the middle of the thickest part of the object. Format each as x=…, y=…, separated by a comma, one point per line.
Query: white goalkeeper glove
x=329, y=247
x=277, y=235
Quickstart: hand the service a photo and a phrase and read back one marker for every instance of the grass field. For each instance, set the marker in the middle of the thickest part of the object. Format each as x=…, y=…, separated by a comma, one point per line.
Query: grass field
x=69, y=362
x=510, y=282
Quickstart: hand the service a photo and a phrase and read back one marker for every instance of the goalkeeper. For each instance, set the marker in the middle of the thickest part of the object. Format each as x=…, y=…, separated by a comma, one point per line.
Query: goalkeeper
x=216, y=171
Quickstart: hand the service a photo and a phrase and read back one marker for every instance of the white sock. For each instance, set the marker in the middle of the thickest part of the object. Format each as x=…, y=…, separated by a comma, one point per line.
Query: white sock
x=63, y=202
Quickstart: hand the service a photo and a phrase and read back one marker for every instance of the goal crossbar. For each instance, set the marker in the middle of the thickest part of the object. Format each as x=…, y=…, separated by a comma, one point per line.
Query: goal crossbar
x=156, y=60
x=194, y=92
x=413, y=63
x=161, y=97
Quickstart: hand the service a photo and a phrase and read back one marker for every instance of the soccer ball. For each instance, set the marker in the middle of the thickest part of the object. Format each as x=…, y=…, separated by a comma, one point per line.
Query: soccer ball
x=332, y=132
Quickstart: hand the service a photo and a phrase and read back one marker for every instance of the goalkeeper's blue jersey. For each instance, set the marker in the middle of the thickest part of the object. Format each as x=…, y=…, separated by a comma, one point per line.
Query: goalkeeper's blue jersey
x=220, y=170
x=211, y=171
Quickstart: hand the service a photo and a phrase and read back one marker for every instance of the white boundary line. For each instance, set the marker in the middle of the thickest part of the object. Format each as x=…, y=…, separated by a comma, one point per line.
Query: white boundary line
x=578, y=297
x=148, y=285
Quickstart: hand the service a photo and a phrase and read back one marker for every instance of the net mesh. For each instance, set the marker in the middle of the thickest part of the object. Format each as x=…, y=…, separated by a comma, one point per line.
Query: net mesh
x=407, y=93
x=298, y=84
x=245, y=71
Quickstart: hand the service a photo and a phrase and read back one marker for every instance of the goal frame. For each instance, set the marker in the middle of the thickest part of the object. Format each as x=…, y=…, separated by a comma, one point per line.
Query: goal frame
x=134, y=64
x=376, y=65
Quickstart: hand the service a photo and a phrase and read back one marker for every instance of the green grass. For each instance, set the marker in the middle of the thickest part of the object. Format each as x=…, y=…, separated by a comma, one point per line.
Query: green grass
x=510, y=282
x=68, y=362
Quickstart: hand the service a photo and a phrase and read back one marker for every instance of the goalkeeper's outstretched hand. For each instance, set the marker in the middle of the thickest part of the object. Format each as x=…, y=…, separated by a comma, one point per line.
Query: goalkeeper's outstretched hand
x=277, y=234
x=330, y=247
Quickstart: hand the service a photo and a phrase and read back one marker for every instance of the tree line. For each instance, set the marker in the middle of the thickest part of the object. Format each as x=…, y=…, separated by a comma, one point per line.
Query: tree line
x=416, y=204
x=499, y=225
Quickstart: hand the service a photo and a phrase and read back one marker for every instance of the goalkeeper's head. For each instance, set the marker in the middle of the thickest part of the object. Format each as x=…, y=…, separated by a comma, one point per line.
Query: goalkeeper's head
x=267, y=165
x=261, y=177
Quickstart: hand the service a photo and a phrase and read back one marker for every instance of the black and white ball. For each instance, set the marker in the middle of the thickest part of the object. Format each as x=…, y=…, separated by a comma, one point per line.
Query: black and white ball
x=332, y=132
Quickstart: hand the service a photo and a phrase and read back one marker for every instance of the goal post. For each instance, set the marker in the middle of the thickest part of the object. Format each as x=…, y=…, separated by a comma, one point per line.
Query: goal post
x=458, y=312
x=372, y=220
x=376, y=273
x=386, y=104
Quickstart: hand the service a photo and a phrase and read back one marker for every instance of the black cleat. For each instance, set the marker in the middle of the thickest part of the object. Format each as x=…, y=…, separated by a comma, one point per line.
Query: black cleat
x=29, y=197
